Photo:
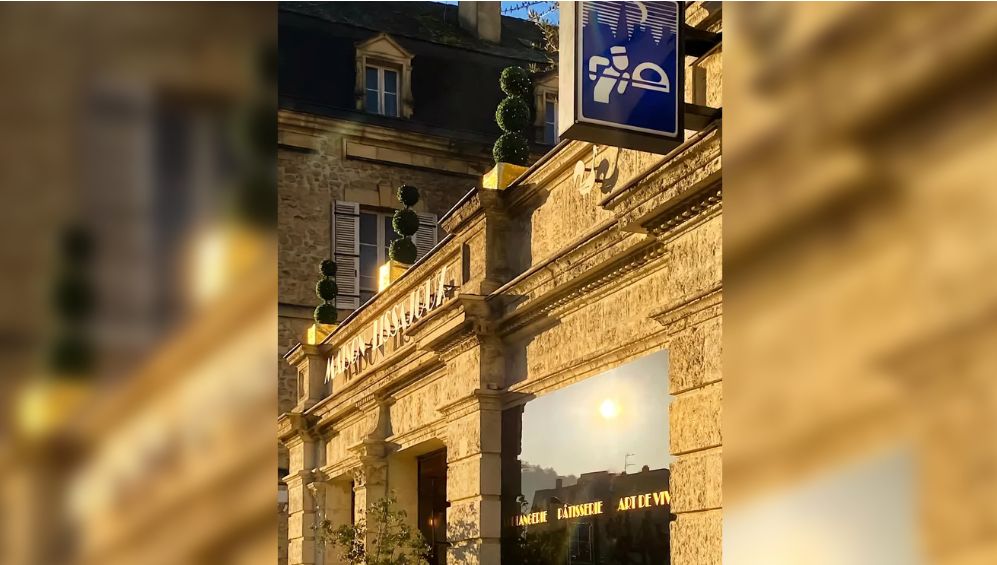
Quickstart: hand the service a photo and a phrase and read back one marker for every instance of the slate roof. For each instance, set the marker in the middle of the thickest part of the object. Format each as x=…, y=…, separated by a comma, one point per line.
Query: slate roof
x=432, y=22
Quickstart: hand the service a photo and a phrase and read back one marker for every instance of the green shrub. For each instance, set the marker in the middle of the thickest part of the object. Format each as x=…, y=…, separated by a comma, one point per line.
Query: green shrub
x=403, y=251
x=325, y=314
x=408, y=195
x=515, y=81
x=511, y=148
x=513, y=114
x=71, y=355
x=328, y=268
x=326, y=289
x=73, y=297
x=405, y=222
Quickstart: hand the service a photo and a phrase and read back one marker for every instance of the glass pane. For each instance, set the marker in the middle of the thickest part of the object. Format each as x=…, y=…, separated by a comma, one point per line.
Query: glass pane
x=368, y=261
x=370, y=104
x=390, y=82
x=389, y=231
x=368, y=228
x=549, y=133
x=364, y=297
x=390, y=105
x=596, y=491
x=371, y=79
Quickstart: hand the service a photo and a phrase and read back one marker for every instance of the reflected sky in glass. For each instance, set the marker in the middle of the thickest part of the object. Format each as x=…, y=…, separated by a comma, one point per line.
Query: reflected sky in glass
x=592, y=425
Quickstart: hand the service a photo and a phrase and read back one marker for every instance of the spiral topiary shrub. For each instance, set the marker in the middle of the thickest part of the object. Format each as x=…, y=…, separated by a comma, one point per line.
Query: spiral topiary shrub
x=326, y=314
x=406, y=223
x=515, y=81
x=407, y=195
x=513, y=117
x=511, y=148
x=326, y=289
x=403, y=250
x=328, y=268
x=513, y=114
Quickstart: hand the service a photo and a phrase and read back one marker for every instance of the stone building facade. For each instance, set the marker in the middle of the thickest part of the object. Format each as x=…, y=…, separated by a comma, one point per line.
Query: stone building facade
x=544, y=284
x=594, y=259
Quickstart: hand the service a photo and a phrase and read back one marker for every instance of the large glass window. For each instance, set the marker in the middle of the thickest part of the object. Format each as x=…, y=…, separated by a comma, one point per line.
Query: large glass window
x=586, y=470
x=376, y=233
x=381, y=86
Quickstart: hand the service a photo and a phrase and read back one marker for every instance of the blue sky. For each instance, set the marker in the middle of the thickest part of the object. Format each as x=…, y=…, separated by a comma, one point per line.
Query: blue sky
x=519, y=9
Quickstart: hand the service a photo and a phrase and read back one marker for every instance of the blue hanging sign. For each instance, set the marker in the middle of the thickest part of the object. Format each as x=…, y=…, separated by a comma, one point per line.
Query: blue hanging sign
x=625, y=66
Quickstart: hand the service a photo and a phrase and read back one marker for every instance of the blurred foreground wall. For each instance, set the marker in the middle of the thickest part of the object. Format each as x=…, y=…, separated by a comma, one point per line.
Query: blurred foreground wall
x=138, y=293
x=860, y=254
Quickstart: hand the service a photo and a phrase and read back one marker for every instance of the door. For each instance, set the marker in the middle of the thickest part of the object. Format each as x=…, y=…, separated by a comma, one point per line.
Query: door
x=433, y=503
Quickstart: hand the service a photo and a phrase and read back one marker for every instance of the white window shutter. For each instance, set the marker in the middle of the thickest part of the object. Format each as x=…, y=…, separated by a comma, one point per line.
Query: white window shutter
x=346, y=252
x=425, y=238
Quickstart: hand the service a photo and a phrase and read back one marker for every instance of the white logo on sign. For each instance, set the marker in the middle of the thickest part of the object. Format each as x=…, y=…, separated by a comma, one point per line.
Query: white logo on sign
x=613, y=72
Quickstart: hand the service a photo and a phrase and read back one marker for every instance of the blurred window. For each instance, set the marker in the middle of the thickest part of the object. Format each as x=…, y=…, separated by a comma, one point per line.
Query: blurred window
x=550, y=119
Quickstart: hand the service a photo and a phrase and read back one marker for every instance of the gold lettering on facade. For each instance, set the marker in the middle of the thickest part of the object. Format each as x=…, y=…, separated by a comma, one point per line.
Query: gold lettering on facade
x=530, y=519
x=579, y=510
x=393, y=322
x=646, y=500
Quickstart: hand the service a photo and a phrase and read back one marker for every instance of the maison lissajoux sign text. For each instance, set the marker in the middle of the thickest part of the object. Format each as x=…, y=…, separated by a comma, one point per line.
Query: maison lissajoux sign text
x=392, y=323
x=626, y=503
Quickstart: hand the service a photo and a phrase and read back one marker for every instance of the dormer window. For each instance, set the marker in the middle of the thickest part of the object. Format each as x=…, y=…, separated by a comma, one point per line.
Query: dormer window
x=384, y=77
x=381, y=87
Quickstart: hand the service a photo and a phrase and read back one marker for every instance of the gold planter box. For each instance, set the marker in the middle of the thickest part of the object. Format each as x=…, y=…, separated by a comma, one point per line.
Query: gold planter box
x=502, y=175
x=389, y=273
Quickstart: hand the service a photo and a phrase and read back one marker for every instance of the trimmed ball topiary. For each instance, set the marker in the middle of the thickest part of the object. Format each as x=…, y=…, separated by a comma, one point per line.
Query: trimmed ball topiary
x=408, y=195
x=513, y=114
x=403, y=251
x=511, y=148
x=327, y=289
x=405, y=222
x=515, y=81
x=328, y=268
x=325, y=314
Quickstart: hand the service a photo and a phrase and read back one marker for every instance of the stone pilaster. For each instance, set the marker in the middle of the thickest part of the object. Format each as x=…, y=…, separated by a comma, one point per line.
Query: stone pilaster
x=370, y=477
x=301, y=446
x=474, y=478
x=695, y=383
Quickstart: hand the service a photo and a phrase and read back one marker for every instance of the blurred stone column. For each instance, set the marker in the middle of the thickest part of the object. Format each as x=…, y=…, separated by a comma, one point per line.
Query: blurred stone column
x=953, y=400
x=301, y=446
x=695, y=433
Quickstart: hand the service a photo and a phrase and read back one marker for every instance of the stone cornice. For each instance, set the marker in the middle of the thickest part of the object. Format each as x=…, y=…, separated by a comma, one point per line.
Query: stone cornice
x=314, y=125
x=531, y=186
x=293, y=425
x=467, y=208
x=684, y=172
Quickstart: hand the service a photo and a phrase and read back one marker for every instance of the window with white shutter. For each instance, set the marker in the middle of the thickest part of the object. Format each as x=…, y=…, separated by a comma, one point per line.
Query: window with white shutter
x=425, y=238
x=346, y=253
